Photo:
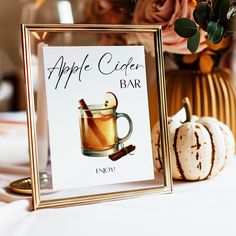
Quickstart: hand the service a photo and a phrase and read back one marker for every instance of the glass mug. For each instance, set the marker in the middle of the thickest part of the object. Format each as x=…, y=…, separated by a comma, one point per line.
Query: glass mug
x=98, y=130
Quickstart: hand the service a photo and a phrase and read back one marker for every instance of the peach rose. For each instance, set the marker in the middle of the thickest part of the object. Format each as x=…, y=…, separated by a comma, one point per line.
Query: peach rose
x=165, y=13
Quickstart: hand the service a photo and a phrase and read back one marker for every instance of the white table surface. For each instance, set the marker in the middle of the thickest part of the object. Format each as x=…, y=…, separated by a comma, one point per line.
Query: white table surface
x=194, y=208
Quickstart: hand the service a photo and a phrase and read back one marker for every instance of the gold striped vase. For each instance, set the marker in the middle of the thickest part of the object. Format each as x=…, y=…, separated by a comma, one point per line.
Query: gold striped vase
x=212, y=94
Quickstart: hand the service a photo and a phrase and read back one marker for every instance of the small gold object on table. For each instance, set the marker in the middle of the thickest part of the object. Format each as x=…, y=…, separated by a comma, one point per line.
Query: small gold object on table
x=23, y=186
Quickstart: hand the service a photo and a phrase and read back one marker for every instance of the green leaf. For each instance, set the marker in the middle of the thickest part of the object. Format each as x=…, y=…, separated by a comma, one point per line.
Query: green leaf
x=224, y=6
x=215, y=31
x=202, y=14
x=185, y=27
x=193, y=42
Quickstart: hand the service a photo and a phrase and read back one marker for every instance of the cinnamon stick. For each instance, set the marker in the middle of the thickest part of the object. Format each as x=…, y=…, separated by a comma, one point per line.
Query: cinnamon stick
x=85, y=107
x=122, y=152
x=91, y=122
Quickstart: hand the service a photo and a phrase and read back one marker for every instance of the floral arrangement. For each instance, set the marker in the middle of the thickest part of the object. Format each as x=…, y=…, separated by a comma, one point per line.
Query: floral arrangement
x=145, y=12
x=201, y=27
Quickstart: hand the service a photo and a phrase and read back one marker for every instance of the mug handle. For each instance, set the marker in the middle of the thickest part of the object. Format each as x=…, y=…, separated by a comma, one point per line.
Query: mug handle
x=118, y=115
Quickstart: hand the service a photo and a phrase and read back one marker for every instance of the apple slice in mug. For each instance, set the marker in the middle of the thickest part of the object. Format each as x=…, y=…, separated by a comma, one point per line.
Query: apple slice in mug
x=110, y=101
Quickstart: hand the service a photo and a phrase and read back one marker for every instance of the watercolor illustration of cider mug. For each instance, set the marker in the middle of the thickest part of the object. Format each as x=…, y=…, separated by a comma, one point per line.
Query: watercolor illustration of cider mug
x=99, y=131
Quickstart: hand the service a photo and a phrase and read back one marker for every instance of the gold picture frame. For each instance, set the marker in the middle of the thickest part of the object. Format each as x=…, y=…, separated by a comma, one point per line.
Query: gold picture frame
x=75, y=34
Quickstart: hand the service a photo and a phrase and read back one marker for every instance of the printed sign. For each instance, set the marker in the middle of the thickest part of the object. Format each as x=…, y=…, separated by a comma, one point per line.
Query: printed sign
x=98, y=115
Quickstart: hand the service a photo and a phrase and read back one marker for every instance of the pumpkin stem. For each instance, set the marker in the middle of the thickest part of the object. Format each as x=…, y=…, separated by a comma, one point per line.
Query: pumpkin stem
x=188, y=109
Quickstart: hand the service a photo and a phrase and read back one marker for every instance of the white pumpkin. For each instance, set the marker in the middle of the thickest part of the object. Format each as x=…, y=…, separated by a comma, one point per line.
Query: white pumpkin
x=199, y=148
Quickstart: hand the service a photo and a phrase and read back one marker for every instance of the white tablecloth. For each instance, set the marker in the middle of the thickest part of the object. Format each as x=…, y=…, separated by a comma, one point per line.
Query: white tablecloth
x=195, y=208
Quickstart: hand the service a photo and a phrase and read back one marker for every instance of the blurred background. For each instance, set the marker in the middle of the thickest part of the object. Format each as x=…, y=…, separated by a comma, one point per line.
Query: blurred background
x=206, y=77
x=12, y=14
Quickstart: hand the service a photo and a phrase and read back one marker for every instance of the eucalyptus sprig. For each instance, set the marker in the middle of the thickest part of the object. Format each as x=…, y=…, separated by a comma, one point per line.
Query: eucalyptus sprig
x=216, y=17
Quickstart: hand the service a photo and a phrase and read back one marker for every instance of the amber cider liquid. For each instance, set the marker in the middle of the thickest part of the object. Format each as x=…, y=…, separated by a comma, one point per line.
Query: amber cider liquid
x=99, y=132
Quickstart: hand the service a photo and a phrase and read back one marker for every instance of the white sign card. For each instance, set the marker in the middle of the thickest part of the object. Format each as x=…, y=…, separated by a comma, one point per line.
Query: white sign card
x=97, y=103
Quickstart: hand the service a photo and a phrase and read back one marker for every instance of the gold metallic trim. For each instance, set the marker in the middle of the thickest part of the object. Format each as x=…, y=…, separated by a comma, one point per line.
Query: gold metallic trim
x=37, y=203
x=163, y=109
x=31, y=118
x=102, y=197
x=91, y=27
